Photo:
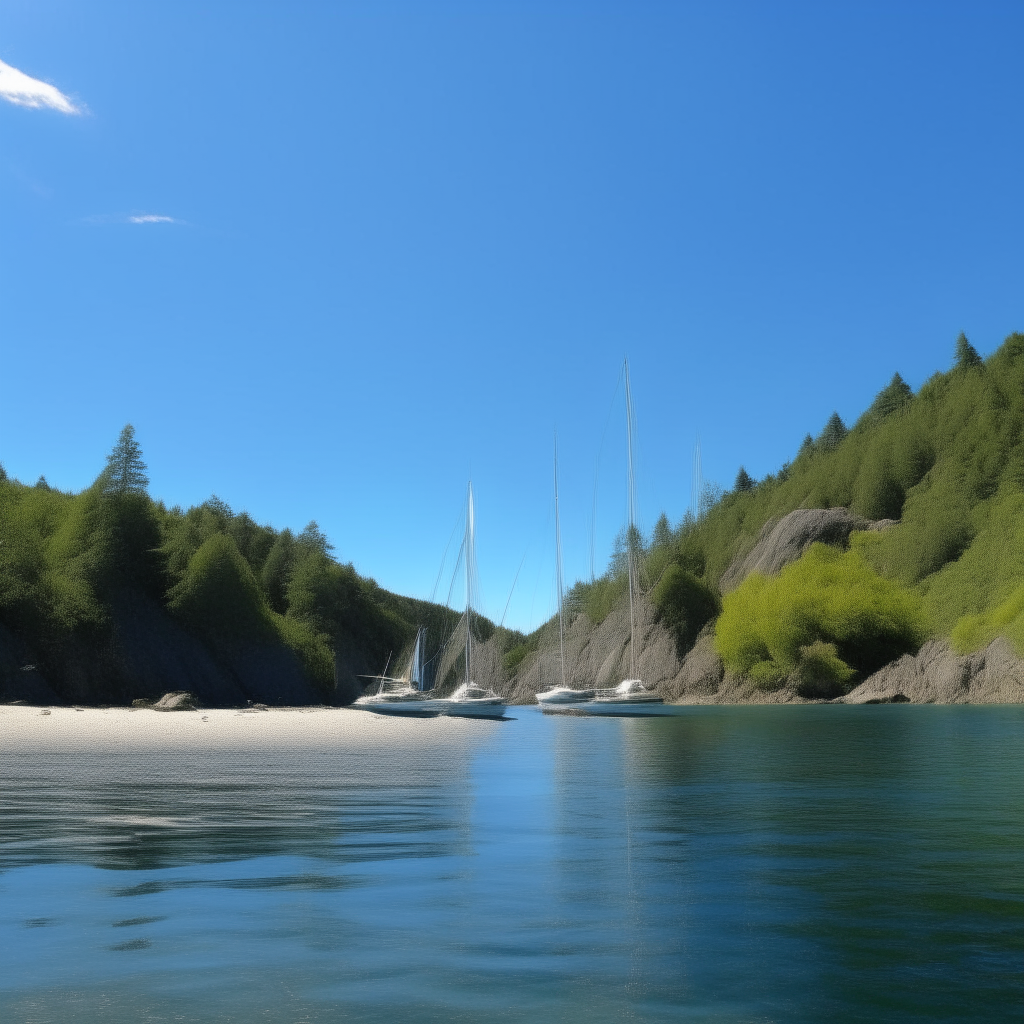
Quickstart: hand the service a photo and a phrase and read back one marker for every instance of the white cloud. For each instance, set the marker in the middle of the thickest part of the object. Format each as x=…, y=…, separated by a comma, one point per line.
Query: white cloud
x=16, y=87
x=150, y=218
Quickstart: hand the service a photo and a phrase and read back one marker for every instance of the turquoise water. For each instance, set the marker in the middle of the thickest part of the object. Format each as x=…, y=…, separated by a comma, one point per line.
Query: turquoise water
x=755, y=864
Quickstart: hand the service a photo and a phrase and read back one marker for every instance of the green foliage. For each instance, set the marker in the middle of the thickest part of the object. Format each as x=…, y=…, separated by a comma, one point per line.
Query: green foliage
x=125, y=472
x=661, y=537
x=988, y=572
x=513, y=657
x=277, y=571
x=685, y=605
x=820, y=672
x=828, y=596
x=832, y=436
x=219, y=596
x=966, y=354
x=597, y=598
x=893, y=397
x=744, y=481
x=67, y=560
x=1006, y=619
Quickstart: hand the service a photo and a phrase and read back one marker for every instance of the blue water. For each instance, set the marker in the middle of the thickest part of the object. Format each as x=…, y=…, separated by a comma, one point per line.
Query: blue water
x=754, y=864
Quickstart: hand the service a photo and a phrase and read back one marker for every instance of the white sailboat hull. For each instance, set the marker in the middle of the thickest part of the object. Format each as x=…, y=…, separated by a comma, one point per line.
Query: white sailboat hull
x=414, y=706
x=562, y=696
x=472, y=701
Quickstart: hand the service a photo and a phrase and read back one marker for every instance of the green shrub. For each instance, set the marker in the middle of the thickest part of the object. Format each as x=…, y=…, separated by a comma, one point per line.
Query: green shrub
x=219, y=596
x=828, y=596
x=821, y=672
x=598, y=598
x=684, y=604
x=1007, y=619
x=513, y=658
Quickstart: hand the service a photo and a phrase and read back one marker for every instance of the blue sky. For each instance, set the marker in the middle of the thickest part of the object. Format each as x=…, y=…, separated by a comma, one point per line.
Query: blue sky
x=333, y=259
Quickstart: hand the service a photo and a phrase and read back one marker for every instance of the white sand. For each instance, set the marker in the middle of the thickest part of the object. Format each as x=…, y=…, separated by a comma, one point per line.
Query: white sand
x=24, y=728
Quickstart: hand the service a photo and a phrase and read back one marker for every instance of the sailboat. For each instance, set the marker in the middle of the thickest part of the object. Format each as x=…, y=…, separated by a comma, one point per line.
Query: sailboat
x=471, y=700
x=561, y=697
x=630, y=697
x=404, y=695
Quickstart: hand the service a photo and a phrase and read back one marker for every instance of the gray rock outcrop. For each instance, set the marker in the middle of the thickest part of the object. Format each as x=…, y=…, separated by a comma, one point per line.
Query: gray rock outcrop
x=938, y=675
x=784, y=540
x=175, y=702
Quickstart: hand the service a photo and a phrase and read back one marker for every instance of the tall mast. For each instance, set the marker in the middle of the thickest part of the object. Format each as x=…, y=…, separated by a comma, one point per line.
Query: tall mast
x=631, y=528
x=558, y=572
x=469, y=578
x=697, y=481
x=416, y=666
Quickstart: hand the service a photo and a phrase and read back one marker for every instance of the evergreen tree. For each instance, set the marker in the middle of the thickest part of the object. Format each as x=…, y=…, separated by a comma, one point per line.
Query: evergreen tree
x=832, y=436
x=662, y=536
x=42, y=484
x=744, y=481
x=313, y=538
x=894, y=395
x=3, y=473
x=277, y=571
x=806, y=447
x=219, y=508
x=125, y=472
x=711, y=494
x=966, y=354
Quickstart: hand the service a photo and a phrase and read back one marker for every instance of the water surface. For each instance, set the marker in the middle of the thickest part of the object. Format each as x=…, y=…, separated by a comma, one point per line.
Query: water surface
x=727, y=864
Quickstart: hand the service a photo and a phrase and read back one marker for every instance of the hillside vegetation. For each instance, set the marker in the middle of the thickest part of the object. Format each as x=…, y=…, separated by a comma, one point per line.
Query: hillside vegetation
x=109, y=595
x=76, y=569
x=945, y=465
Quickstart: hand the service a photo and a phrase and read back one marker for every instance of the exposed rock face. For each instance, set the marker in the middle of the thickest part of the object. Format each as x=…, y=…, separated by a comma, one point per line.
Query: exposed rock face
x=938, y=675
x=785, y=540
x=598, y=655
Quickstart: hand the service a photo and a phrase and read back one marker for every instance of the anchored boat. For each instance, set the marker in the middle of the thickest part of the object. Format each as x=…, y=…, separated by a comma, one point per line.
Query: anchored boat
x=561, y=697
x=630, y=697
x=471, y=700
x=404, y=695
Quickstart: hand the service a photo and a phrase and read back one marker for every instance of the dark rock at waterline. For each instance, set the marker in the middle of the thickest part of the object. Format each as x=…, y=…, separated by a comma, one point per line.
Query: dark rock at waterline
x=146, y=652
x=20, y=679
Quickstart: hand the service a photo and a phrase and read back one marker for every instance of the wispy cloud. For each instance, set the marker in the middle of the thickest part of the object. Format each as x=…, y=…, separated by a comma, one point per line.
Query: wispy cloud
x=131, y=218
x=18, y=88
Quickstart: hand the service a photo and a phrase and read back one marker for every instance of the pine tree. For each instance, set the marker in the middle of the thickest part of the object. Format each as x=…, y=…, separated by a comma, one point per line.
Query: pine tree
x=966, y=354
x=125, y=472
x=894, y=395
x=832, y=436
x=744, y=481
x=3, y=473
x=662, y=535
x=806, y=447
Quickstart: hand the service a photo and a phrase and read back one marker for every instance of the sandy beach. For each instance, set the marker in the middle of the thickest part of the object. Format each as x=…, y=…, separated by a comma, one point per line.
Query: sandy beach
x=66, y=729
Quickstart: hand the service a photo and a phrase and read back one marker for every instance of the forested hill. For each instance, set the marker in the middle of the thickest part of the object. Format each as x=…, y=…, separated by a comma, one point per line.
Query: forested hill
x=108, y=596
x=935, y=485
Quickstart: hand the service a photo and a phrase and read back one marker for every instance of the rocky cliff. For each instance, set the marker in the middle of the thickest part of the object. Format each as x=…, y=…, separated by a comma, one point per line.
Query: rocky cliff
x=597, y=654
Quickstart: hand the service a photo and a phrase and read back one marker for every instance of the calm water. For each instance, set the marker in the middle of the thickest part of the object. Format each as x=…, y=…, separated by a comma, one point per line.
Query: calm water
x=813, y=863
